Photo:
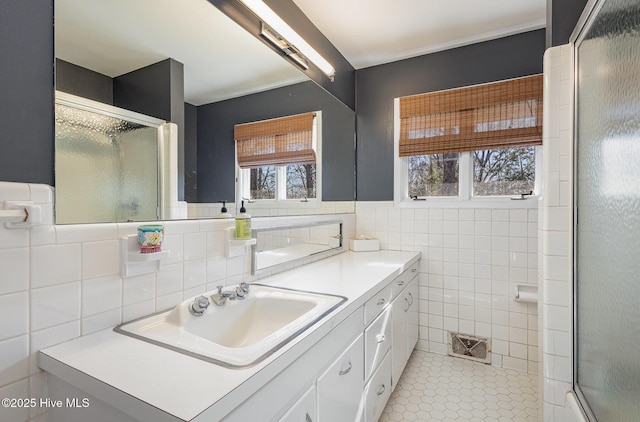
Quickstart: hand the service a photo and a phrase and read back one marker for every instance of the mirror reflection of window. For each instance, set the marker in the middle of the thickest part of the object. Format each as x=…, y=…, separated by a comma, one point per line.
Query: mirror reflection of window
x=279, y=158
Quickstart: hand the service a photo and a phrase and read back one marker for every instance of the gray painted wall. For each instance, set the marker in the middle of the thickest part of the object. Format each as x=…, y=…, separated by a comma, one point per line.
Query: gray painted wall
x=562, y=16
x=26, y=91
x=190, y=153
x=216, y=147
x=85, y=83
x=156, y=90
x=377, y=86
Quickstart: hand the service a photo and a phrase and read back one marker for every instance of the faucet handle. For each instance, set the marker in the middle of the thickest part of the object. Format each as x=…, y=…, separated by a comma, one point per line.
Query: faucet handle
x=245, y=287
x=198, y=306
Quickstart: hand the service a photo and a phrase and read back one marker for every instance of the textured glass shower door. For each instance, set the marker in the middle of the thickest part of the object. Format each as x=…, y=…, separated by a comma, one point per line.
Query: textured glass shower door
x=106, y=168
x=607, y=230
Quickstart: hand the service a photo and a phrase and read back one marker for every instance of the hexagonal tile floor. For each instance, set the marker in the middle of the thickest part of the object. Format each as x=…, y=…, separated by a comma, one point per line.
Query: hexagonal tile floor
x=443, y=388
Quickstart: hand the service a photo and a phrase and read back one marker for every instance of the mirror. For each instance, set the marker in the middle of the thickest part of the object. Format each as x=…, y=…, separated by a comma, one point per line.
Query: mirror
x=280, y=245
x=188, y=63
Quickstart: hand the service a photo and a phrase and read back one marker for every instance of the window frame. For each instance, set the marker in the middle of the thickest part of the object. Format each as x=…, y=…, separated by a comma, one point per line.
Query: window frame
x=465, y=198
x=243, y=178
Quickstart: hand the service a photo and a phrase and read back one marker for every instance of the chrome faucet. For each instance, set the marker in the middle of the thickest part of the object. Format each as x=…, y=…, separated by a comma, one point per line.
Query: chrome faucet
x=221, y=297
x=198, y=306
x=240, y=292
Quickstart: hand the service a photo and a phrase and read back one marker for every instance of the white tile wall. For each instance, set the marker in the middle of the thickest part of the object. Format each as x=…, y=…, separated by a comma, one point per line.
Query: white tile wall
x=555, y=246
x=471, y=261
x=61, y=282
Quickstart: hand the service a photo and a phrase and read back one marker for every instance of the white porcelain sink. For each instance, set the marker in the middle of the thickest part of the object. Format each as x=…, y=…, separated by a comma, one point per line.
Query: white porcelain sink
x=239, y=333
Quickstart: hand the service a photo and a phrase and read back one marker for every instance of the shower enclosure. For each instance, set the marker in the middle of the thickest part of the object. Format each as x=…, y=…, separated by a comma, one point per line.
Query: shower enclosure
x=108, y=162
x=607, y=213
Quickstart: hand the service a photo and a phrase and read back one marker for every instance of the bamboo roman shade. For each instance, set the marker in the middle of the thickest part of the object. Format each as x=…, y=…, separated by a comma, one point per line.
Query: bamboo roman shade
x=495, y=115
x=286, y=140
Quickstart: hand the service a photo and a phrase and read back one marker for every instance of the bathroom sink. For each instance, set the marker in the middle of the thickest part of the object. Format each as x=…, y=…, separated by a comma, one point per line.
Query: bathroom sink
x=239, y=333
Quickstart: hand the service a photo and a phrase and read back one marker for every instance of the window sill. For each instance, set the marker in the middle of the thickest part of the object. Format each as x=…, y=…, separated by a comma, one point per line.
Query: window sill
x=501, y=202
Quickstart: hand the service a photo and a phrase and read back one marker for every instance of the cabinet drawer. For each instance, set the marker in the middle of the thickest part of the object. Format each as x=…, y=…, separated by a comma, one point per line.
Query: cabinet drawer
x=377, y=342
x=378, y=390
x=402, y=281
x=340, y=386
x=377, y=304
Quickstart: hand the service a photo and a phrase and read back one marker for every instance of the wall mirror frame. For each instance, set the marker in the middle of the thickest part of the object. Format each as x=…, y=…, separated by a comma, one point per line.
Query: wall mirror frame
x=282, y=245
x=206, y=151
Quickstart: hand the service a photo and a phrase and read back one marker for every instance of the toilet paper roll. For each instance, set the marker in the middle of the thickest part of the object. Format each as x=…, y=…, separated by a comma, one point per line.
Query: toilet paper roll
x=527, y=297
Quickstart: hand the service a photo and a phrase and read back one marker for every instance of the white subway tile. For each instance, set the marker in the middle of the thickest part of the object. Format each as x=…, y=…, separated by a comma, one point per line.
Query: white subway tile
x=168, y=301
x=138, y=289
x=467, y=326
x=518, y=350
x=519, y=215
x=483, y=329
x=55, y=305
x=175, y=245
x=518, y=229
x=195, y=246
x=518, y=335
x=55, y=264
x=499, y=317
x=467, y=214
x=12, y=238
x=100, y=259
x=516, y=364
x=14, y=315
x=50, y=337
x=12, y=191
x=483, y=315
x=482, y=214
x=78, y=233
x=556, y=318
x=101, y=294
x=15, y=270
x=101, y=321
x=195, y=273
x=138, y=310
x=500, y=332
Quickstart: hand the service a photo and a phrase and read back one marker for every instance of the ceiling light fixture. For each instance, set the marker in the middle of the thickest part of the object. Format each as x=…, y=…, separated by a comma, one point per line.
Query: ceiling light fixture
x=286, y=39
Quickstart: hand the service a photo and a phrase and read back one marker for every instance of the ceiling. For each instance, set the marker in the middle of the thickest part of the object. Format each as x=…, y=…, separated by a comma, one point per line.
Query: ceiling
x=372, y=32
x=222, y=60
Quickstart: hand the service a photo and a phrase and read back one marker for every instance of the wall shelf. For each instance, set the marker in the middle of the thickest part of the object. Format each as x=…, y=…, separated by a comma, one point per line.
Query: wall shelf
x=133, y=262
x=236, y=247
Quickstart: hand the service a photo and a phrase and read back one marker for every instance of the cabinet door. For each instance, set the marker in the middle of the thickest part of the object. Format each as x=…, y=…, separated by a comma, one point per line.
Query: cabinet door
x=378, y=391
x=377, y=341
x=303, y=410
x=340, y=386
x=399, y=312
x=413, y=315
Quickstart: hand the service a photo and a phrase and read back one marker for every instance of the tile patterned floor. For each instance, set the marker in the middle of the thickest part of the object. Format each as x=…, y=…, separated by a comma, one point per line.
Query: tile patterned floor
x=443, y=388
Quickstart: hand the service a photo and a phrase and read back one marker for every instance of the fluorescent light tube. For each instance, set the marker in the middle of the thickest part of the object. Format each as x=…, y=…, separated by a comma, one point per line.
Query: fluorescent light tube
x=264, y=12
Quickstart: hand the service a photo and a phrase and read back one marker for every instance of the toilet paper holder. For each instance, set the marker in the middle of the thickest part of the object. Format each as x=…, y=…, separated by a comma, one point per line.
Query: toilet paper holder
x=526, y=293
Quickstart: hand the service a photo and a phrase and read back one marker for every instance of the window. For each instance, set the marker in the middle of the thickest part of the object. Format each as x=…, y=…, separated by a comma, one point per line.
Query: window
x=474, y=142
x=279, y=158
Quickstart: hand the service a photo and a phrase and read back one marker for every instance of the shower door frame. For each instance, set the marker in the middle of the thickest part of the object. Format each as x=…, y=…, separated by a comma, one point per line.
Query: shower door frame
x=588, y=16
x=97, y=107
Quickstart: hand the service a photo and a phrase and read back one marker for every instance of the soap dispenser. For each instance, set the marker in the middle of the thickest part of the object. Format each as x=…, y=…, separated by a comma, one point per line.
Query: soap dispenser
x=243, y=223
x=223, y=211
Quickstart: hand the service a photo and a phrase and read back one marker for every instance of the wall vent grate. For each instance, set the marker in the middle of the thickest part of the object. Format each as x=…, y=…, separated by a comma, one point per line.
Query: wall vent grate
x=470, y=347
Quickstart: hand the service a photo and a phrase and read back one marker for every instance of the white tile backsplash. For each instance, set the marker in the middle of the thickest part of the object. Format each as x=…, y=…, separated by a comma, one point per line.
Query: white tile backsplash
x=60, y=282
x=14, y=315
x=471, y=259
x=15, y=270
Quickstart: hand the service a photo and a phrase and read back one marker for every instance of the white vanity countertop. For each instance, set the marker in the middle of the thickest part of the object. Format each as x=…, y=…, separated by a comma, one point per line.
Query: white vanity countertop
x=154, y=383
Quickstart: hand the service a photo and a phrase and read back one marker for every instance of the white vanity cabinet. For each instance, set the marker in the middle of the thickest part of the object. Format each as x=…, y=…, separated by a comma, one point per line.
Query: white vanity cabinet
x=378, y=390
x=340, y=386
x=404, y=316
x=304, y=410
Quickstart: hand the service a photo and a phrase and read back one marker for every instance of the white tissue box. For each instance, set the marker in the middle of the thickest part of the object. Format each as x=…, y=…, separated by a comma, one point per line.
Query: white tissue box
x=364, y=245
